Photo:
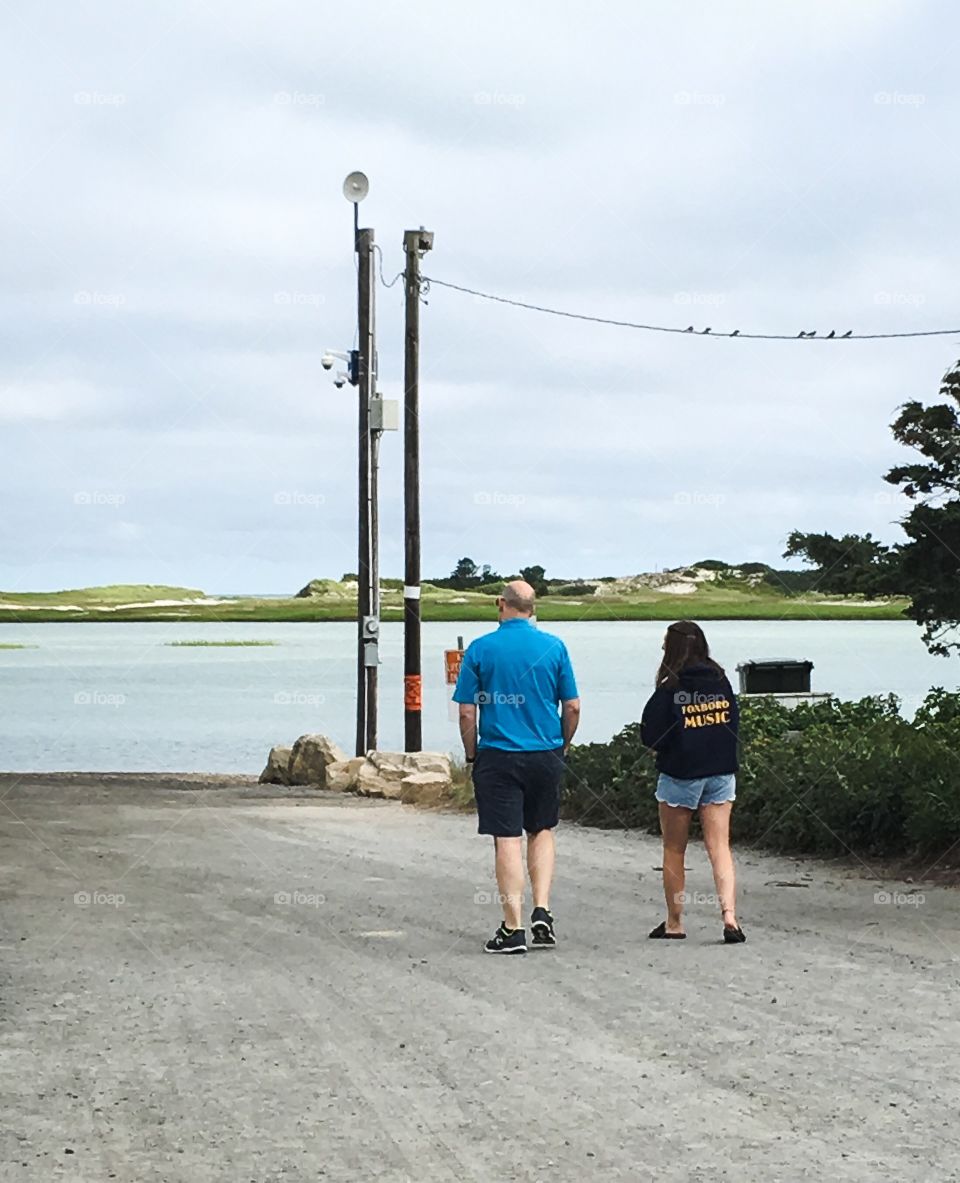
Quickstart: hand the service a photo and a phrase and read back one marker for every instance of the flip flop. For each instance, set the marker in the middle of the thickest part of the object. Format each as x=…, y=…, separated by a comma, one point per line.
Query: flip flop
x=660, y=934
x=733, y=935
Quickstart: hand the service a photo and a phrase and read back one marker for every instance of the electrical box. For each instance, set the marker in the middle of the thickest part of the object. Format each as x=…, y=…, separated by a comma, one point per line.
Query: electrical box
x=384, y=414
x=775, y=677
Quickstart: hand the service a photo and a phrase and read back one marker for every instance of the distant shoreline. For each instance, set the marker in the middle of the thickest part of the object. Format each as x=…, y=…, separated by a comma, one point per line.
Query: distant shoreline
x=336, y=602
x=786, y=614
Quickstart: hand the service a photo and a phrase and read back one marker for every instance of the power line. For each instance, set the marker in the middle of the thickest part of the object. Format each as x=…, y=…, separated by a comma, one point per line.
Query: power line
x=382, y=280
x=803, y=335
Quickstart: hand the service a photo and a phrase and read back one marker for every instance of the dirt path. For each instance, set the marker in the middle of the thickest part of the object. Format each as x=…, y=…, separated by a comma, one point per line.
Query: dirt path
x=227, y=983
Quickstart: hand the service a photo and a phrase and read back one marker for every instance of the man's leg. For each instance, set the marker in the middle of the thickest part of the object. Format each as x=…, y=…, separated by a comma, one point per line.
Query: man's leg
x=509, y=865
x=541, y=858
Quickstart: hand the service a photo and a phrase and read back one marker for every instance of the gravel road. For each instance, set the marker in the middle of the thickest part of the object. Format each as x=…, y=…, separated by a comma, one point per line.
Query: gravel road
x=204, y=979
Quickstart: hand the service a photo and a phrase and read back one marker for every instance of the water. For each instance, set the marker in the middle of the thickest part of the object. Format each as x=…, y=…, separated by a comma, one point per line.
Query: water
x=100, y=697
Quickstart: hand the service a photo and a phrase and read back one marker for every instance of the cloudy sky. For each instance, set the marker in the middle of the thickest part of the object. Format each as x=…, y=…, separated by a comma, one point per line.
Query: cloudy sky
x=177, y=255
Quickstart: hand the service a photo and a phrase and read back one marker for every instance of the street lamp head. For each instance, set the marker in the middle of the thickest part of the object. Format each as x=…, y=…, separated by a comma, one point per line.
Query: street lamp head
x=356, y=187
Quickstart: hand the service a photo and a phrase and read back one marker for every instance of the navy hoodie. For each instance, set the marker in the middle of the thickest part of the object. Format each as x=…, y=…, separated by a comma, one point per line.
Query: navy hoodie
x=693, y=728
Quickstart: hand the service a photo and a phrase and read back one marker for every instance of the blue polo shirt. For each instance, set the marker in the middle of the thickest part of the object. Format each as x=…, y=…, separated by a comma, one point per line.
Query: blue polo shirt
x=518, y=676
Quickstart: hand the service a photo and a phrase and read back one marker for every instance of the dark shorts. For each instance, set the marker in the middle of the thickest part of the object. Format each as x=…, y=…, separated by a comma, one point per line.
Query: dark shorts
x=517, y=791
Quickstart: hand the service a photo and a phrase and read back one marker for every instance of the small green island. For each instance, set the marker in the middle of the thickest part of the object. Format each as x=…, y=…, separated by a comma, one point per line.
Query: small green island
x=709, y=590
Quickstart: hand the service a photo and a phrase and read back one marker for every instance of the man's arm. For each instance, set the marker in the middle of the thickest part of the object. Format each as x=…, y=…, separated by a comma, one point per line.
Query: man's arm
x=569, y=721
x=468, y=730
x=466, y=696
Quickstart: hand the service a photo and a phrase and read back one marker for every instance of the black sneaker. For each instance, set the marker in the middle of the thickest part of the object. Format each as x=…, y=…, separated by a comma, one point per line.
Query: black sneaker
x=504, y=941
x=541, y=929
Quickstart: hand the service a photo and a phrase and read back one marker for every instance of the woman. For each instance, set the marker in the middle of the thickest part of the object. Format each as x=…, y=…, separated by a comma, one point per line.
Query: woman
x=691, y=723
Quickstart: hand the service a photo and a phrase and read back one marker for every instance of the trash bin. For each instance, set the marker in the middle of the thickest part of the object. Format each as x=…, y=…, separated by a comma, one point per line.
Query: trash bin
x=775, y=677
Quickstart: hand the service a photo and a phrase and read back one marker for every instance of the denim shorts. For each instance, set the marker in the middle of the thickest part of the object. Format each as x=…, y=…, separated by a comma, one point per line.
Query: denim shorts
x=690, y=794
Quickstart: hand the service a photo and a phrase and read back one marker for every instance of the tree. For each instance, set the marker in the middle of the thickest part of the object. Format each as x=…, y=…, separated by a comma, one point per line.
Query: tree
x=464, y=574
x=930, y=560
x=926, y=568
x=851, y=565
x=534, y=576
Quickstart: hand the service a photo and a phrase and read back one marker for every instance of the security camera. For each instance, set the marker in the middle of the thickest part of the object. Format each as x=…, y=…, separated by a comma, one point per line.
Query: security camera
x=340, y=381
x=327, y=361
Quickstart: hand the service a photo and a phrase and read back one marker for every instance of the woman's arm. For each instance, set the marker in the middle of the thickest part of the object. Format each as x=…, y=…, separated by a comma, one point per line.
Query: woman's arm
x=658, y=720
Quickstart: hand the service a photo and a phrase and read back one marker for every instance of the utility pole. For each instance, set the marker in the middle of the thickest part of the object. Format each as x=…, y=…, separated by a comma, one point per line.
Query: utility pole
x=416, y=243
x=365, y=319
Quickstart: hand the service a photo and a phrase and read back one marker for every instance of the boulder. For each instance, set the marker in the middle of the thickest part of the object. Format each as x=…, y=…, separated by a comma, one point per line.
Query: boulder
x=406, y=763
x=310, y=758
x=384, y=774
x=373, y=781
x=342, y=776
x=424, y=788
x=277, y=771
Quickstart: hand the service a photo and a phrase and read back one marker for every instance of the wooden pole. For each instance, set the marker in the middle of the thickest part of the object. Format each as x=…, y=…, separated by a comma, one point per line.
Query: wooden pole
x=415, y=244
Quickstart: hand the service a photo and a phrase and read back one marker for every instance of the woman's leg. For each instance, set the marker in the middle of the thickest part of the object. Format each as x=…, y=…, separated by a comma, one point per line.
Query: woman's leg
x=715, y=823
x=675, y=828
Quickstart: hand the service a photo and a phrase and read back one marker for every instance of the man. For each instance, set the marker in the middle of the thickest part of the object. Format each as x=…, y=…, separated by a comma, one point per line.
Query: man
x=520, y=682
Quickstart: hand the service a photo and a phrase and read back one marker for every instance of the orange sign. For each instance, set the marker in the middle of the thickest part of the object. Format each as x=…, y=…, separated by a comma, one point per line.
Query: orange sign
x=412, y=692
x=452, y=661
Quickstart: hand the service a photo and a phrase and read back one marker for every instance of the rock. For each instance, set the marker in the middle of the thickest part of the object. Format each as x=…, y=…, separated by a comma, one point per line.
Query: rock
x=310, y=758
x=373, y=781
x=342, y=775
x=408, y=762
x=277, y=771
x=384, y=774
x=424, y=788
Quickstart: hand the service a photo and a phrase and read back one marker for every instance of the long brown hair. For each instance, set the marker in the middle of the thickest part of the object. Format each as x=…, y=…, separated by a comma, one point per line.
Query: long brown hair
x=684, y=645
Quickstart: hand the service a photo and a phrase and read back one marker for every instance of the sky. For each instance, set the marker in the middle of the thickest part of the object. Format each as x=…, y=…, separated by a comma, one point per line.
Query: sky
x=178, y=255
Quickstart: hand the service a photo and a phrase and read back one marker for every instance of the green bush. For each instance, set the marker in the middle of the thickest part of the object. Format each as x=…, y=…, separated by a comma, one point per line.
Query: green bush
x=828, y=777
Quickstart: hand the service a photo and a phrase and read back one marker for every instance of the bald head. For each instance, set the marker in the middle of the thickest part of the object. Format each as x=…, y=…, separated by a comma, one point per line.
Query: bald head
x=519, y=598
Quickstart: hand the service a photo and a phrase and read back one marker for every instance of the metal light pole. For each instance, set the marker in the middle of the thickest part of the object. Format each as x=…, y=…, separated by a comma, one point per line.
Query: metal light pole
x=416, y=243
